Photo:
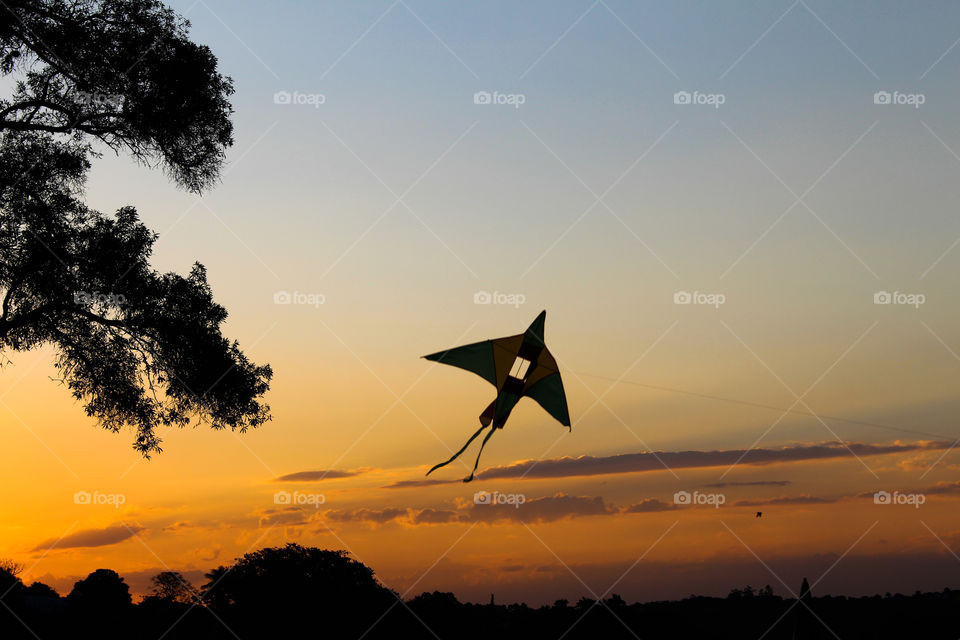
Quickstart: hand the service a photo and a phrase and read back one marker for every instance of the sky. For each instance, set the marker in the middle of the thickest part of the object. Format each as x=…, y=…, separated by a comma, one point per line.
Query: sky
x=788, y=169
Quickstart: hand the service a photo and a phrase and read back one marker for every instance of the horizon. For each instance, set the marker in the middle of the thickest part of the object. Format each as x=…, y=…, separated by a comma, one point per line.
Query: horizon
x=195, y=580
x=738, y=219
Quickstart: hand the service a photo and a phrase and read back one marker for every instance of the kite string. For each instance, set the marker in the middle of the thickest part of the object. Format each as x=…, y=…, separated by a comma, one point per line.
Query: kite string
x=767, y=406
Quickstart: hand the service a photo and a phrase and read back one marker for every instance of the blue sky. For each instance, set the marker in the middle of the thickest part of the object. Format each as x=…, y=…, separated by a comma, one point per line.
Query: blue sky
x=503, y=198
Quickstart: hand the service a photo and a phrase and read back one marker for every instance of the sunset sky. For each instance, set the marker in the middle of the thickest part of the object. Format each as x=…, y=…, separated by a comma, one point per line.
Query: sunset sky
x=391, y=198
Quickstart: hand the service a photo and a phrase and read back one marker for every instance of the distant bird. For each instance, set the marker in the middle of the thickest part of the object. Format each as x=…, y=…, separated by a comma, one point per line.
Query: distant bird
x=759, y=513
x=517, y=366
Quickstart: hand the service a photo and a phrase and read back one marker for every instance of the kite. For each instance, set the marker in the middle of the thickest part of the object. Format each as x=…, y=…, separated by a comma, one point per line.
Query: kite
x=517, y=366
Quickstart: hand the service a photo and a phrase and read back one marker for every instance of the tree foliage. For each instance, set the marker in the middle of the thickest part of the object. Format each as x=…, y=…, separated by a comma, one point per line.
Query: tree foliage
x=100, y=592
x=292, y=574
x=172, y=587
x=140, y=348
x=123, y=72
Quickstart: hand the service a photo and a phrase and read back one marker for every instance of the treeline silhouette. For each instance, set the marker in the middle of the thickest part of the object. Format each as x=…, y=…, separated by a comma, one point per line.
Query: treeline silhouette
x=292, y=590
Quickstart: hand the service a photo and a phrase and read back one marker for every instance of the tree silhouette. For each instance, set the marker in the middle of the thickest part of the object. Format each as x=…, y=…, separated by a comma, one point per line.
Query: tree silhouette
x=291, y=573
x=138, y=347
x=443, y=610
x=296, y=591
x=11, y=587
x=41, y=590
x=279, y=587
x=172, y=587
x=123, y=72
x=103, y=591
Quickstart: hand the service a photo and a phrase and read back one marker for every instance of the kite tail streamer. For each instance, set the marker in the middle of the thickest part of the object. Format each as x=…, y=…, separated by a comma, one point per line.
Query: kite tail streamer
x=462, y=449
x=479, y=453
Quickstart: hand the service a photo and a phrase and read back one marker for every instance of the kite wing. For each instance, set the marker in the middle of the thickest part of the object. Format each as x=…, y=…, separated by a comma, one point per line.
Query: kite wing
x=476, y=358
x=546, y=388
x=549, y=394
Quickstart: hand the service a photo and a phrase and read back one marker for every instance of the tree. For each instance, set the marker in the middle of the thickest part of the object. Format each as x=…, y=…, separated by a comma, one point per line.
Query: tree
x=615, y=601
x=172, y=587
x=11, y=587
x=123, y=72
x=746, y=592
x=288, y=589
x=139, y=348
x=101, y=591
x=291, y=573
x=41, y=590
x=435, y=600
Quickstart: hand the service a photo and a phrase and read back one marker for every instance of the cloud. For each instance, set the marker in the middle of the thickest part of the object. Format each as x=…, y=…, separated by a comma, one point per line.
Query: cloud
x=943, y=488
x=545, y=509
x=433, y=516
x=756, y=483
x=290, y=516
x=208, y=554
x=409, y=484
x=319, y=474
x=91, y=538
x=785, y=500
x=639, y=462
x=375, y=516
x=180, y=525
x=649, y=505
